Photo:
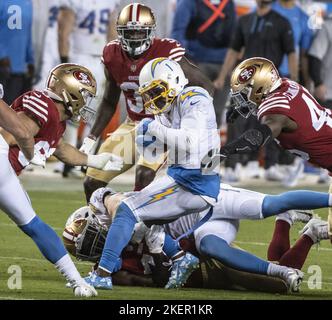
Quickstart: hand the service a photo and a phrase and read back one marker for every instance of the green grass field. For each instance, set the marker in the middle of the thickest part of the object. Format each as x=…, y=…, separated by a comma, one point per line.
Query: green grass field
x=41, y=281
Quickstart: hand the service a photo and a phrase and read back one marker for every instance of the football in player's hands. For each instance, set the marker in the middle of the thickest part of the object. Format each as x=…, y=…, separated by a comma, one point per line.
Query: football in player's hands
x=143, y=126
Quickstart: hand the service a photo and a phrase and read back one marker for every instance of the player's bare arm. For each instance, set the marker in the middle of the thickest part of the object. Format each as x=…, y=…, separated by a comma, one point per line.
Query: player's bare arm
x=19, y=131
x=72, y=156
x=111, y=31
x=66, y=23
x=107, y=107
x=195, y=76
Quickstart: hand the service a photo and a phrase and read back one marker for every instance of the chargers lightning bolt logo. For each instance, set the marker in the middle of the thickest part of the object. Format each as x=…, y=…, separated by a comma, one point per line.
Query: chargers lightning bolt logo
x=155, y=63
x=190, y=94
x=160, y=196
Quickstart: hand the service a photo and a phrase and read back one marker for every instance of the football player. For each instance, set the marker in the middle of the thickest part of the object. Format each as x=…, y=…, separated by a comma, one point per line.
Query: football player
x=123, y=60
x=12, y=124
x=288, y=113
x=185, y=123
x=67, y=95
x=86, y=229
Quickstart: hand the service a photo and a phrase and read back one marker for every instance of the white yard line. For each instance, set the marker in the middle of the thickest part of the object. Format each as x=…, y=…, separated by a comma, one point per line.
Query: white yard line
x=40, y=260
x=266, y=244
x=14, y=298
x=13, y=225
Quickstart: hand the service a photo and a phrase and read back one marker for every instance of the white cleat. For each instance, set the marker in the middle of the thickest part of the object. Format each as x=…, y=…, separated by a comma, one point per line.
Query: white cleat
x=324, y=176
x=293, y=173
x=316, y=229
x=83, y=289
x=274, y=174
x=303, y=216
x=294, y=279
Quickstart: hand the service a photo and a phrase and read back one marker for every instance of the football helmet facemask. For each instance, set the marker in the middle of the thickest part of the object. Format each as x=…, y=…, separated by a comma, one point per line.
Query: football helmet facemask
x=135, y=26
x=74, y=86
x=252, y=80
x=161, y=80
x=84, y=237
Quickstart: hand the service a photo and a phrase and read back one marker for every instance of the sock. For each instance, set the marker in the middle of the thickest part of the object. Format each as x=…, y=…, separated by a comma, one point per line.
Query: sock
x=117, y=238
x=170, y=247
x=296, y=256
x=280, y=241
x=48, y=242
x=276, y=270
x=67, y=268
x=219, y=249
x=300, y=199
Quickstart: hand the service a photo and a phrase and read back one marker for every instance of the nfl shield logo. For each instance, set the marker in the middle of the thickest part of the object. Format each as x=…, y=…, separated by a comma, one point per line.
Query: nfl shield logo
x=133, y=68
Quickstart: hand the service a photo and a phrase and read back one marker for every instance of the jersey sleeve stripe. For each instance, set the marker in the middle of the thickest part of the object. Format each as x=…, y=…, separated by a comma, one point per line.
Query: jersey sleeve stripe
x=176, y=56
x=177, y=49
x=283, y=102
x=261, y=111
x=35, y=111
x=274, y=100
x=35, y=105
x=39, y=101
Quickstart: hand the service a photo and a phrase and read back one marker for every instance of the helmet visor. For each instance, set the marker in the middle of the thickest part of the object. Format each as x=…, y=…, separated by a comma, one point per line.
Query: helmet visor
x=241, y=103
x=156, y=97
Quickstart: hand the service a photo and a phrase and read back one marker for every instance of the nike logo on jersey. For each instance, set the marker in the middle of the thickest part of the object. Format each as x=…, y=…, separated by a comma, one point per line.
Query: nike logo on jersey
x=193, y=102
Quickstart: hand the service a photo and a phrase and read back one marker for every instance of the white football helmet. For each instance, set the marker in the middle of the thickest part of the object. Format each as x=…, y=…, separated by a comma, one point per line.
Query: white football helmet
x=161, y=80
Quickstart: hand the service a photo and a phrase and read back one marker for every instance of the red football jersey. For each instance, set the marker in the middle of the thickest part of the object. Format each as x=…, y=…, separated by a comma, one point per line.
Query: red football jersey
x=133, y=258
x=312, y=140
x=40, y=107
x=125, y=70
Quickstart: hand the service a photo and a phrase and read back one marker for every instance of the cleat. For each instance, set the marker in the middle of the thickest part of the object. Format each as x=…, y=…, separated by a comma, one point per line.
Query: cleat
x=316, y=229
x=303, y=216
x=181, y=270
x=296, y=215
x=274, y=174
x=83, y=289
x=99, y=282
x=293, y=173
x=294, y=279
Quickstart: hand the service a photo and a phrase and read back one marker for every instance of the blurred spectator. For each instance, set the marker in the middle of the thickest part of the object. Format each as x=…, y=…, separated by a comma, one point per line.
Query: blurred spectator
x=204, y=28
x=263, y=33
x=302, y=36
x=320, y=67
x=84, y=28
x=16, y=53
x=244, y=7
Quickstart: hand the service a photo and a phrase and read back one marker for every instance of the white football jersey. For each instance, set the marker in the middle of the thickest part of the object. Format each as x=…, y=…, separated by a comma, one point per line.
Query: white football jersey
x=92, y=21
x=194, y=113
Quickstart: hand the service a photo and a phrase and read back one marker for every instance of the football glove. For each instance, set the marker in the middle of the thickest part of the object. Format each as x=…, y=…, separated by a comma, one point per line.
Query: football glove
x=105, y=161
x=143, y=126
x=38, y=159
x=87, y=145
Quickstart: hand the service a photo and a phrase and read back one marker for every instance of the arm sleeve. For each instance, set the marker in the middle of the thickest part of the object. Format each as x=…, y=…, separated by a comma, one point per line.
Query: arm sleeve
x=287, y=37
x=238, y=42
x=183, y=14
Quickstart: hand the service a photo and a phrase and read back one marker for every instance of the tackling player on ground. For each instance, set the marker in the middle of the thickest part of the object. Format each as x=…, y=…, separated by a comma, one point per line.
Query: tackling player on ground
x=123, y=60
x=68, y=91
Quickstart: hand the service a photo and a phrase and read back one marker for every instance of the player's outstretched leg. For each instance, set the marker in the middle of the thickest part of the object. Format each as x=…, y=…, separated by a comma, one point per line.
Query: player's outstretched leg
x=54, y=251
x=313, y=232
x=215, y=247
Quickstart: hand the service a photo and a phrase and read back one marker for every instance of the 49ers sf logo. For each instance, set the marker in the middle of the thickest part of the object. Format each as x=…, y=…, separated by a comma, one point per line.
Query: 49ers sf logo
x=83, y=77
x=246, y=74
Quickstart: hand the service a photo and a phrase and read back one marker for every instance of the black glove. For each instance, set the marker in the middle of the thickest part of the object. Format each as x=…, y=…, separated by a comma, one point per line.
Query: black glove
x=231, y=115
x=213, y=158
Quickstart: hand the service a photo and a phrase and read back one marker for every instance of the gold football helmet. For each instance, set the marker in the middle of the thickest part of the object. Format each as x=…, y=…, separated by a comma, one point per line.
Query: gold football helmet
x=135, y=26
x=252, y=80
x=84, y=237
x=75, y=86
